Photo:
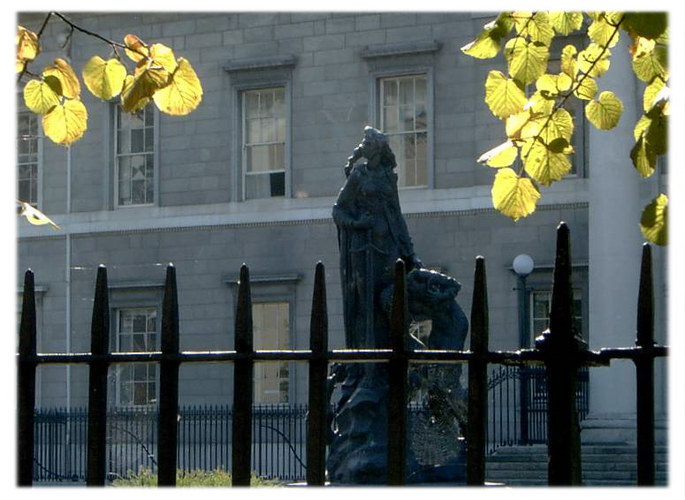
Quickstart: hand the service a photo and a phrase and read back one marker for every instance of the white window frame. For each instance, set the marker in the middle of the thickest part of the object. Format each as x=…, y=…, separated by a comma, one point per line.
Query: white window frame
x=123, y=366
x=376, y=109
x=38, y=202
x=245, y=145
x=258, y=369
x=155, y=159
x=402, y=169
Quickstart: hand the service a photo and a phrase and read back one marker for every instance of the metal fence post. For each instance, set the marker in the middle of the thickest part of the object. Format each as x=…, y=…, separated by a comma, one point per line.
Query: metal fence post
x=318, y=370
x=26, y=383
x=241, y=451
x=97, y=383
x=644, y=366
x=167, y=441
x=397, y=373
x=561, y=346
x=478, y=381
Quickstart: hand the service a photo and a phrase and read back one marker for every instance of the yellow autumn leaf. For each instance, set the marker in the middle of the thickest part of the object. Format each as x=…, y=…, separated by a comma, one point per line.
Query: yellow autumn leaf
x=515, y=123
x=67, y=122
x=138, y=90
x=62, y=70
x=35, y=216
x=27, y=46
x=104, y=79
x=504, y=96
x=604, y=112
x=566, y=23
x=163, y=56
x=585, y=89
x=184, y=92
x=514, y=196
x=500, y=156
x=140, y=50
x=39, y=97
x=547, y=163
x=643, y=157
x=654, y=221
x=568, y=60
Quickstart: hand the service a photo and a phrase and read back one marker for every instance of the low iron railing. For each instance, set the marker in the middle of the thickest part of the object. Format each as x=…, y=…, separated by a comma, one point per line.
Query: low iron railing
x=204, y=441
x=558, y=349
x=517, y=405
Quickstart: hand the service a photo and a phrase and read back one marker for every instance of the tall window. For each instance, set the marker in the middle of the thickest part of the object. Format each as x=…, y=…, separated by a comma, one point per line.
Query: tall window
x=263, y=143
x=542, y=305
x=404, y=119
x=136, y=332
x=271, y=326
x=135, y=158
x=27, y=157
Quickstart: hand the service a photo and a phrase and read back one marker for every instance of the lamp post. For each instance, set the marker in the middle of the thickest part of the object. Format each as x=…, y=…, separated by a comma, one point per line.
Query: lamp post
x=523, y=265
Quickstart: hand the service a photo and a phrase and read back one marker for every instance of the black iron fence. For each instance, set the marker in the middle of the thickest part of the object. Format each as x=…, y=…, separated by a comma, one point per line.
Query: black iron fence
x=559, y=350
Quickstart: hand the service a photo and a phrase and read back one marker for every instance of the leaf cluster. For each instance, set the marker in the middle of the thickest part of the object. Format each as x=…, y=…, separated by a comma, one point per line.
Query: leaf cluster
x=532, y=101
x=155, y=75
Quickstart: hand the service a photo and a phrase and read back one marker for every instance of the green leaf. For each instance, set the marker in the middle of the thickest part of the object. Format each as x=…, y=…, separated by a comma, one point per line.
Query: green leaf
x=547, y=164
x=594, y=60
x=646, y=24
x=654, y=221
x=504, y=96
x=648, y=64
x=569, y=65
x=644, y=157
x=651, y=92
x=487, y=44
x=586, y=89
x=40, y=97
x=514, y=196
x=605, y=112
x=654, y=127
x=527, y=61
x=602, y=33
x=501, y=156
x=566, y=23
x=559, y=125
x=536, y=26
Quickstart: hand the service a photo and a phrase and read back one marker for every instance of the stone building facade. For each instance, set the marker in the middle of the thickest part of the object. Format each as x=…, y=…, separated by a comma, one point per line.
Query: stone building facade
x=251, y=176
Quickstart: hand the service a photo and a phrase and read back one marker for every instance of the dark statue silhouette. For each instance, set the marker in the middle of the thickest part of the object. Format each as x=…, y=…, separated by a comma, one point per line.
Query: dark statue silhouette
x=372, y=235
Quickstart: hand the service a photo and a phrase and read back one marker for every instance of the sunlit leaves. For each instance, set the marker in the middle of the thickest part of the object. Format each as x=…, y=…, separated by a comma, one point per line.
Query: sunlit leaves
x=136, y=49
x=656, y=94
x=650, y=60
x=604, y=112
x=184, y=92
x=104, y=79
x=68, y=80
x=643, y=157
x=504, y=96
x=602, y=33
x=566, y=23
x=547, y=163
x=654, y=221
x=569, y=64
x=536, y=25
x=586, y=89
x=654, y=127
x=527, y=61
x=66, y=123
x=27, y=47
x=135, y=94
x=514, y=196
x=594, y=60
x=501, y=156
x=557, y=125
x=488, y=42
x=40, y=97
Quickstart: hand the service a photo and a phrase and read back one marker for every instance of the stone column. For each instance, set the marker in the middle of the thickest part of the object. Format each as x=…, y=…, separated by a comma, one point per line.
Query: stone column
x=614, y=254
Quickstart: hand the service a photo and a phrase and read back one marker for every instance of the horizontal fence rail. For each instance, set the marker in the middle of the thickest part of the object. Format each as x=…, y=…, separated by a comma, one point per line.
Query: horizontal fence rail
x=559, y=350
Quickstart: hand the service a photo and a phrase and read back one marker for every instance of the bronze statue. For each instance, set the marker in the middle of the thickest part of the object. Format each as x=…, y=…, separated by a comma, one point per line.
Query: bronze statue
x=372, y=235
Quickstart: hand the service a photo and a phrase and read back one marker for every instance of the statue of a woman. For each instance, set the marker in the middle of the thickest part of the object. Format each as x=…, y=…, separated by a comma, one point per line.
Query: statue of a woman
x=372, y=235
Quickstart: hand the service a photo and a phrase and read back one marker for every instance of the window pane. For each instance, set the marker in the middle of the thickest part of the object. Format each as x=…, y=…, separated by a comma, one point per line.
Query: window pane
x=390, y=123
x=271, y=325
x=406, y=91
x=390, y=92
x=277, y=184
x=251, y=104
x=257, y=186
x=406, y=118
